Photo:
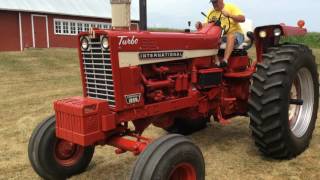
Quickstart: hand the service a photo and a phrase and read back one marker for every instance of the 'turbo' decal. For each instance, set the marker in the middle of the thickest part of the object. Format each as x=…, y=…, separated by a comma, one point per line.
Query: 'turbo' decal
x=125, y=40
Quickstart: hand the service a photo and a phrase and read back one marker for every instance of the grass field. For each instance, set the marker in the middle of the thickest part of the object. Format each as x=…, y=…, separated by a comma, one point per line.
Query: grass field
x=32, y=80
x=312, y=39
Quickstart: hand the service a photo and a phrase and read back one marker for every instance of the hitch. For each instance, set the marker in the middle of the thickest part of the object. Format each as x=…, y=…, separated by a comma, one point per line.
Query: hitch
x=123, y=144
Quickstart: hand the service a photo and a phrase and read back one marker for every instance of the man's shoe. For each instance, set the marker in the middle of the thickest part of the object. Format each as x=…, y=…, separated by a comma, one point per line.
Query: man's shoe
x=223, y=64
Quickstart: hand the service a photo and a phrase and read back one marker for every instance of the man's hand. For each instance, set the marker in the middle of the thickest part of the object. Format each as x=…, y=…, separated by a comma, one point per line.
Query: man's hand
x=198, y=25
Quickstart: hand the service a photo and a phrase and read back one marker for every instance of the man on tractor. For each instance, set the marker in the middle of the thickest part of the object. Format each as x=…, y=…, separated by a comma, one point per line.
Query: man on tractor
x=229, y=16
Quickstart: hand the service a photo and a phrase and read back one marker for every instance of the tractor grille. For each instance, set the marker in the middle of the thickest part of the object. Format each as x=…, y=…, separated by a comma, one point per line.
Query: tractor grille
x=98, y=72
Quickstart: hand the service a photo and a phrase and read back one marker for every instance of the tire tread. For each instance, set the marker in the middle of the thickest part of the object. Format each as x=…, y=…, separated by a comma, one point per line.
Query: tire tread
x=270, y=80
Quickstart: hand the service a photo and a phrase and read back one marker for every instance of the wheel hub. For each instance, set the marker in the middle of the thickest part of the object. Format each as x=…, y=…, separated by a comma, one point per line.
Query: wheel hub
x=300, y=115
x=65, y=149
x=67, y=153
x=183, y=171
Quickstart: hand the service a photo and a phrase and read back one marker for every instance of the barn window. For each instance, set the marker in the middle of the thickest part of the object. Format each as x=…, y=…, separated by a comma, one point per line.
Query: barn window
x=80, y=27
x=73, y=29
x=58, y=27
x=86, y=27
x=65, y=27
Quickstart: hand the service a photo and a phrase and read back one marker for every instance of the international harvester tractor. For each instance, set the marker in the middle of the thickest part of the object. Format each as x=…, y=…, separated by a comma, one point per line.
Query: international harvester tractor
x=134, y=79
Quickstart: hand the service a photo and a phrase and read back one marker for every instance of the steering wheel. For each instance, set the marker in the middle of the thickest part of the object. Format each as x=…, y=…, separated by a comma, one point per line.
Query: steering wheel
x=218, y=21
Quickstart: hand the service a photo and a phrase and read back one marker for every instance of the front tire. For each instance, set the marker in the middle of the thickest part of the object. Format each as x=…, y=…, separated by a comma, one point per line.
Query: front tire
x=172, y=157
x=54, y=158
x=284, y=101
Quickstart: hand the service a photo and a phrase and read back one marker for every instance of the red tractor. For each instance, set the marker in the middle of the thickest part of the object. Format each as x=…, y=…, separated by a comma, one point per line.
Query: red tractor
x=134, y=79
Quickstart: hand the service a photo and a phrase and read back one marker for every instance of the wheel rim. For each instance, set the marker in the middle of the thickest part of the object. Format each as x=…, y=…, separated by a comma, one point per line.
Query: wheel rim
x=300, y=115
x=66, y=153
x=183, y=171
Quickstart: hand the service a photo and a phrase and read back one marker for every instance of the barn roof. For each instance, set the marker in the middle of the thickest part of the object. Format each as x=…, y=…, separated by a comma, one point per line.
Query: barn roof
x=85, y=8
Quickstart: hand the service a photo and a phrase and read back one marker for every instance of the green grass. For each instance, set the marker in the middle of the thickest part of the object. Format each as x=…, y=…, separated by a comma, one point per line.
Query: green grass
x=311, y=39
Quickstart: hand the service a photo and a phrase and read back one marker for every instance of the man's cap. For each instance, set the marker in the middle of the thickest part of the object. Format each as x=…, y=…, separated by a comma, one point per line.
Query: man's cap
x=213, y=1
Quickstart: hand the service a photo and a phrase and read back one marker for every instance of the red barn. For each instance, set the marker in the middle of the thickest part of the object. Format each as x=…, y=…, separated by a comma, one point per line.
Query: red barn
x=50, y=23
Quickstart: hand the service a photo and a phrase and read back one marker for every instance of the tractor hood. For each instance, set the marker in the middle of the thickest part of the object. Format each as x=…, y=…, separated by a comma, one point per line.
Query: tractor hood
x=126, y=41
x=133, y=48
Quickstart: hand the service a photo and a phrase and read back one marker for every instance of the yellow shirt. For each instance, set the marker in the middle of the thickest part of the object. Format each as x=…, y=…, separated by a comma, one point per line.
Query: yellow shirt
x=233, y=10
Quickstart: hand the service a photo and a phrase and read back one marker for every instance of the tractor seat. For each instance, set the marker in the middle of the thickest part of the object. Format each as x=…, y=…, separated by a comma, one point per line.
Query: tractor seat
x=247, y=28
x=241, y=47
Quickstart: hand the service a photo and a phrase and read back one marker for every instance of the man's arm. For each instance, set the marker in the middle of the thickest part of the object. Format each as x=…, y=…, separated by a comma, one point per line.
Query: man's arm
x=236, y=18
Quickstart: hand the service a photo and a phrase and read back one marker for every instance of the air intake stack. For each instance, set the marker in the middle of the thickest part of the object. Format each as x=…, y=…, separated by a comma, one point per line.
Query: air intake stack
x=121, y=14
x=143, y=15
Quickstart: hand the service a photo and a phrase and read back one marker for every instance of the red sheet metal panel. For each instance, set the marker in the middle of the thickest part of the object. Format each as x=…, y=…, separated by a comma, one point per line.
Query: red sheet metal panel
x=40, y=32
x=9, y=31
x=26, y=30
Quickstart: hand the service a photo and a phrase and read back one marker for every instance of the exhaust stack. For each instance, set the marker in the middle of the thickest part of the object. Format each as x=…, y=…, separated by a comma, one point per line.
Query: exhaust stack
x=121, y=14
x=143, y=15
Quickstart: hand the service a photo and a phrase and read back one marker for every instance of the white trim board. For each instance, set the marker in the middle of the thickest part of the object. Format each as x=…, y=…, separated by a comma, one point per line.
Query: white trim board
x=20, y=32
x=47, y=29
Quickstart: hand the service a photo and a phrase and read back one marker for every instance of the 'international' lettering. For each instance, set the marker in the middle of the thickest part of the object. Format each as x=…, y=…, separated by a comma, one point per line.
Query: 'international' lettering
x=159, y=55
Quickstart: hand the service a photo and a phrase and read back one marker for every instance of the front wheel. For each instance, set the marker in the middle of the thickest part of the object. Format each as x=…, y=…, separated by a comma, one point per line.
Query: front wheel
x=284, y=101
x=54, y=158
x=172, y=157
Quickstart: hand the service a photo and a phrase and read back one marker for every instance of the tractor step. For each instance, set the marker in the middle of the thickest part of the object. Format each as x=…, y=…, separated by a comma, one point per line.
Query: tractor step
x=243, y=74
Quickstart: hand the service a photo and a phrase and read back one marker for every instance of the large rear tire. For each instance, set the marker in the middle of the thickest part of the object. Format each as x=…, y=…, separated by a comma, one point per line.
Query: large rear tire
x=54, y=158
x=172, y=157
x=284, y=101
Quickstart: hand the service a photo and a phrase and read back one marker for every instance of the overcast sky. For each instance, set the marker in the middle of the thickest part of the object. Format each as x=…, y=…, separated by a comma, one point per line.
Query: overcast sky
x=176, y=13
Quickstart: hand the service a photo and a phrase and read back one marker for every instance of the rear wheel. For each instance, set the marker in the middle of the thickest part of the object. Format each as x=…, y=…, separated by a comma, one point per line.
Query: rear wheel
x=187, y=126
x=54, y=158
x=284, y=101
x=172, y=157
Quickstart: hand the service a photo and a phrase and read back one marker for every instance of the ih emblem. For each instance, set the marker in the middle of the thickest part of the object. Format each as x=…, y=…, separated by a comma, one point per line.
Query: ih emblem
x=133, y=98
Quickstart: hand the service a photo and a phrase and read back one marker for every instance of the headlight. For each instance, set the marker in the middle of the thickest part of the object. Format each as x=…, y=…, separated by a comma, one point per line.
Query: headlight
x=84, y=43
x=277, y=32
x=263, y=34
x=105, y=43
